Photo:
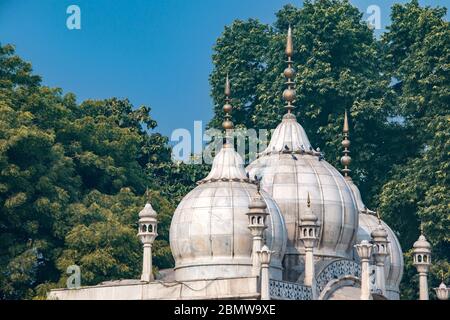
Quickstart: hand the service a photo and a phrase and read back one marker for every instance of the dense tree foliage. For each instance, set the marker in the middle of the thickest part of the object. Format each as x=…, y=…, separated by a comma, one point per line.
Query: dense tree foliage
x=72, y=179
x=73, y=175
x=417, y=51
x=396, y=90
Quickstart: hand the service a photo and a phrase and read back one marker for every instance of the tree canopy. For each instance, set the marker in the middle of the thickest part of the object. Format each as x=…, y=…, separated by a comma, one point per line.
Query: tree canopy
x=72, y=179
x=417, y=53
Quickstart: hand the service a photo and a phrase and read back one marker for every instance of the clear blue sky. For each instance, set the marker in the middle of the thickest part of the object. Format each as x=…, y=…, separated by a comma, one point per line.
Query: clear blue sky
x=154, y=52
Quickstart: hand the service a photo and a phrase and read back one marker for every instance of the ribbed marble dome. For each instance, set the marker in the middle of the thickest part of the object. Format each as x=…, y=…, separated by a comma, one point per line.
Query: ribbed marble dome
x=290, y=168
x=368, y=222
x=209, y=235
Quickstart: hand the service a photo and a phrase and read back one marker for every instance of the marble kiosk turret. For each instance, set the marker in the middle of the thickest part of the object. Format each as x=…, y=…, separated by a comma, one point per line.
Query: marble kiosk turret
x=380, y=253
x=257, y=224
x=148, y=232
x=309, y=234
x=422, y=261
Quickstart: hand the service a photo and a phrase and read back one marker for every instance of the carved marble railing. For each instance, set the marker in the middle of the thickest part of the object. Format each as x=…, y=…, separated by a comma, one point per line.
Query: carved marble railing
x=282, y=290
x=336, y=270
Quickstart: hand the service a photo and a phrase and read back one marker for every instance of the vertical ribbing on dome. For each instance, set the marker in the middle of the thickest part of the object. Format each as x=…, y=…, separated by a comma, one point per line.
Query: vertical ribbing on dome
x=346, y=160
x=289, y=92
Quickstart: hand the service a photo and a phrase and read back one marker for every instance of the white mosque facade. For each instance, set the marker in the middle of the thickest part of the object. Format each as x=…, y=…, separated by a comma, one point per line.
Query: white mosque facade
x=290, y=226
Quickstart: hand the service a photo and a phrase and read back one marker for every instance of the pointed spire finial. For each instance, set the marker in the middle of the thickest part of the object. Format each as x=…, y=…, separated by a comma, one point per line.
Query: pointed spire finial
x=345, y=129
x=308, y=201
x=289, y=92
x=289, y=46
x=227, y=87
x=421, y=228
x=227, y=124
x=379, y=218
x=346, y=159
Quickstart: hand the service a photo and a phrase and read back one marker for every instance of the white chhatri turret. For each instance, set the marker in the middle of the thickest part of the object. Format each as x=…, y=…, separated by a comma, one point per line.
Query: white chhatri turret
x=309, y=235
x=148, y=225
x=380, y=253
x=257, y=224
x=422, y=261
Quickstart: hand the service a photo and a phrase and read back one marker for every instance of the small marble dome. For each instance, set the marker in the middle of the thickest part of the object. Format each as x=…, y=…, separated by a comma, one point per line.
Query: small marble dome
x=379, y=232
x=289, y=135
x=209, y=235
x=290, y=168
x=369, y=227
x=147, y=211
x=422, y=243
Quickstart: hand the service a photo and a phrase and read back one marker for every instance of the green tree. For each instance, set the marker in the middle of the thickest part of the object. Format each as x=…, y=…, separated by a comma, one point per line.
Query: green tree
x=72, y=178
x=103, y=241
x=418, y=55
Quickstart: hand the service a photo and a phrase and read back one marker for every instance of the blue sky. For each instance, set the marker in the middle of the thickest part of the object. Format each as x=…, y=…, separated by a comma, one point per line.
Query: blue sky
x=154, y=52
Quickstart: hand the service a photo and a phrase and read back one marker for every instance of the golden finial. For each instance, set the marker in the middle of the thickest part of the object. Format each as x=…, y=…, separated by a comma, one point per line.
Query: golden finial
x=289, y=47
x=379, y=218
x=227, y=124
x=227, y=88
x=346, y=159
x=289, y=92
x=308, y=201
x=345, y=130
x=421, y=228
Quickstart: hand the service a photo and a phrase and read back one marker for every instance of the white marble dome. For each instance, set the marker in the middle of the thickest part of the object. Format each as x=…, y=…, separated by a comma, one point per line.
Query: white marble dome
x=209, y=235
x=394, y=263
x=290, y=168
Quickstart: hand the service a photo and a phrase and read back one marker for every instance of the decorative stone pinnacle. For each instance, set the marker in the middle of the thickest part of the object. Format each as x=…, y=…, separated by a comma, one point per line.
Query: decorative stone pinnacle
x=289, y=92
x=364, y=249
x=346, y=159
x=227, y=124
